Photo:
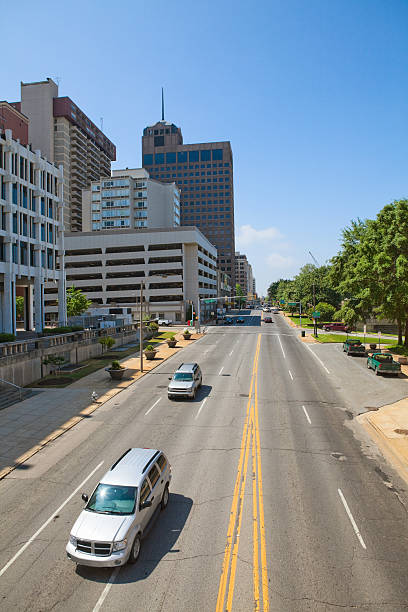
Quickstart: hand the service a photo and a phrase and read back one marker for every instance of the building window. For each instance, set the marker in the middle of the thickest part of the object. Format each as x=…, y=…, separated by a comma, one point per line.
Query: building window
x=148, y=159
x=182, y=157
x=170, y=158
x=159, y=158
x=193, y=156
x=205, y=155
x=217, y=154
x=159, y=141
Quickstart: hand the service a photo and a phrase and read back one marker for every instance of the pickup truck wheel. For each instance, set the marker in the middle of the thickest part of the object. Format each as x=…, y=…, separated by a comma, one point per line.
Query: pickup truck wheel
x=377, y=372
x=368, y=366
x=165, y=497
x=135, y=552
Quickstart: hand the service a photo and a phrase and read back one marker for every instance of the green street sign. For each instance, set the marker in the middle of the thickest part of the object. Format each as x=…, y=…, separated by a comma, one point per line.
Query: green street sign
x=292, y=303
x=316, y=314
x=209, y=301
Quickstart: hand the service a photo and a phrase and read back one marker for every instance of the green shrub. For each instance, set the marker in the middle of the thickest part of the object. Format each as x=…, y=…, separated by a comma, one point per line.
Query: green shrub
x=115, y=365
x=7, y=337
x=106, y=342
x=172, y=337
x=51, y=331
x=153, y=326
x=150, y=347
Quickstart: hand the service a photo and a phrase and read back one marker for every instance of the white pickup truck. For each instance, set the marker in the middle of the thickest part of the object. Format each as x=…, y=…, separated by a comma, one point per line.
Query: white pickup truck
x=164, y=322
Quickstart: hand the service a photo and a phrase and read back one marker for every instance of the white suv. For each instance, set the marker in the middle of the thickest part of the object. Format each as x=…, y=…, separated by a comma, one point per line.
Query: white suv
x=109, y=530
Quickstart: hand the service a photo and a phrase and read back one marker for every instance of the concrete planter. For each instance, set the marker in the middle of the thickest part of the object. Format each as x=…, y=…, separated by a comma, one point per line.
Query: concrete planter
x=150, y=355
x=403, y=360
x=186, y=336
x=116, y=374
x=171, y=343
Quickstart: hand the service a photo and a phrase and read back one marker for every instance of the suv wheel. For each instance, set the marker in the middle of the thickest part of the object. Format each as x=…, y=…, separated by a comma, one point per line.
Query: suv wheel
x=165, y=497
x=135, y=552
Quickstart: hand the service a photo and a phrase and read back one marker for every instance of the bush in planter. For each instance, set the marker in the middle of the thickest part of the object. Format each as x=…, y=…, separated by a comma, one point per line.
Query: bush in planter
x=115, y=365
x=171, y=340
x=150, y=351
x=154, y=327
x=186, y=333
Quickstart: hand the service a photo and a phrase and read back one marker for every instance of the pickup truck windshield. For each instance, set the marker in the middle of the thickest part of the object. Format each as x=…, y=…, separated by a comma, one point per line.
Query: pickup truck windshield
x=112, y=499
x=183, y=376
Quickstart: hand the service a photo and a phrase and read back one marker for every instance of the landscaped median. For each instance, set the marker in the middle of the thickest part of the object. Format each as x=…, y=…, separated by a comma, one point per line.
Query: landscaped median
x=100, y=382
x=388, y=427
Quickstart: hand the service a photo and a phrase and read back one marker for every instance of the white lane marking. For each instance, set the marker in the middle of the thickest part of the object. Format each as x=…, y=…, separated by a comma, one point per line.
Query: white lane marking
x=307, y=416
x=106, y=589
x=231, y=352
x=201, y=407
x=290, y=374
x=219, y=373
x=282, y=348
x=318, y=359
x=151, y=407
x=353, y=522
x=48, y=521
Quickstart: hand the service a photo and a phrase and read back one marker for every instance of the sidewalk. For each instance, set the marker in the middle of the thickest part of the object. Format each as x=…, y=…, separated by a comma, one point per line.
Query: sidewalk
x=388, y=427
x=26, y=427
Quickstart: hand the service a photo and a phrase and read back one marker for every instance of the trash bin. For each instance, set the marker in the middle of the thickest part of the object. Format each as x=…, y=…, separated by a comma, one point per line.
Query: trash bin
x=303, y=333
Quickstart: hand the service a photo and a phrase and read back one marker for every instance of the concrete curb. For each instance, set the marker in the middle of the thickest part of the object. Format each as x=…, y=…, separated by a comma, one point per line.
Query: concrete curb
x=85, y=412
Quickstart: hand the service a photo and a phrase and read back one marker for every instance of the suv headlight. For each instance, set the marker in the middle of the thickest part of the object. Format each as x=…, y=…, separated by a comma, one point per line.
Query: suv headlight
x=120, y=545
x=73, y=540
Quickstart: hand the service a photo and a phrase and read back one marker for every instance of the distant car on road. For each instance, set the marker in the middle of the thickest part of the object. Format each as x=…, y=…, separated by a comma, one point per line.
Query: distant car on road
x=240, y=320
x=268, y=320
x=228, y=321
x=336, y=327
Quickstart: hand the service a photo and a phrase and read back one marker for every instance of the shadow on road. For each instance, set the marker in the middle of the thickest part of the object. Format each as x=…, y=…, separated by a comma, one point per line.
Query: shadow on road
x=159, y=542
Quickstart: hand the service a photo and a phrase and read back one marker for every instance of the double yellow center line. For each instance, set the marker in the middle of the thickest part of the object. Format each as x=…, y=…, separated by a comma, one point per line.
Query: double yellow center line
x=250, y=437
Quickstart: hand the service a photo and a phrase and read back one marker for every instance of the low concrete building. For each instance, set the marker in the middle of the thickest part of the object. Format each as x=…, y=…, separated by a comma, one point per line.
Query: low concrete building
x=173, y=267
x=31, y=233
x=130, y=199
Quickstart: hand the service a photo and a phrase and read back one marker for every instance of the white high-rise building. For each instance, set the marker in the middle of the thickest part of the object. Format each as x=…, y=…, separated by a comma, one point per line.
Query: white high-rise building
x=130, y=199
x=31, y=233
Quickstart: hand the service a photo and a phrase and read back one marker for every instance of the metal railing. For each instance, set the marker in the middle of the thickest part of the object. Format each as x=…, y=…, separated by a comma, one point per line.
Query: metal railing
x=20, y=389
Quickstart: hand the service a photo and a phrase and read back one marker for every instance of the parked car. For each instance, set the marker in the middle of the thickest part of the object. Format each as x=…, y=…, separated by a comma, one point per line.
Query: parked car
x=164, y=322
x=228, y=321
x=336, y=327
x=110, y=528
x=185, y=381
x=354, y=347
x=268, y=320
x=240, y=320
x=383, y=363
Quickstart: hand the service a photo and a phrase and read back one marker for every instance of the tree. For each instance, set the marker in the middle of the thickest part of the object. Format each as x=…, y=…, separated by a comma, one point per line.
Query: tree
x=56, y=361
x=20, y=307
x=106, y=342
x=326, y=311
x=239, y=293
x=77, y=302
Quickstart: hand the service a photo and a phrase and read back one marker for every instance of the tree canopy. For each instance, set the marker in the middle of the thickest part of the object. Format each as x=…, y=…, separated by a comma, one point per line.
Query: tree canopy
x=77, y=302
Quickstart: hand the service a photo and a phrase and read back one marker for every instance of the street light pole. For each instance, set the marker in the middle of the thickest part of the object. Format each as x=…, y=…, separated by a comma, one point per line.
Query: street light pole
x=141, y=327
x=199, y=314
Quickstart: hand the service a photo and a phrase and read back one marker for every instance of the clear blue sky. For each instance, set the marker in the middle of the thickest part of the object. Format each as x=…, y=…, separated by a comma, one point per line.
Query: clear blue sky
x=312, y=95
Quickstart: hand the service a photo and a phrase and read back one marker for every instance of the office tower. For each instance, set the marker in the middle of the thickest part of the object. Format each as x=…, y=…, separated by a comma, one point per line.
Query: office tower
x=130, y=199
x=65, y=135
x=31, y=233
x=12, y=119
x=204, y=174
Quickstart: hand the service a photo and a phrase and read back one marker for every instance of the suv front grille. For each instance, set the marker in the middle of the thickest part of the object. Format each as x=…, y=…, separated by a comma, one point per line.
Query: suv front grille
x=100, y=549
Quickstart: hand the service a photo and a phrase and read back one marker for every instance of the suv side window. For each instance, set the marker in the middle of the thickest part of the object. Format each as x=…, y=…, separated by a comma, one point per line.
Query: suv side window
x=144, y=491
x=154, y=475
x=162, y=463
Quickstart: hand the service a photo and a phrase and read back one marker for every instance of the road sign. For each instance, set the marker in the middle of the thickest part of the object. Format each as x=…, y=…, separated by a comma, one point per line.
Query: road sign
x=209, y=301
x=282, y=301
x=316, y=314
x=292, y=303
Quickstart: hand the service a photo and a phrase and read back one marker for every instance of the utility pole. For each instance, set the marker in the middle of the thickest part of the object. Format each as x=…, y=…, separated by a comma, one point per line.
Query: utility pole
x=314, y=294
x=141, y=327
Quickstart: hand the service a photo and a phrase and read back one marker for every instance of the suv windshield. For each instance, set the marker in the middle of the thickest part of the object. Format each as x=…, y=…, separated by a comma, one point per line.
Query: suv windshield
x=112, y=499
x=183, y=376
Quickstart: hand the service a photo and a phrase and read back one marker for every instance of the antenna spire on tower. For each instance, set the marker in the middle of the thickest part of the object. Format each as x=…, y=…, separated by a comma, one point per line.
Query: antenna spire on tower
x=162, y=104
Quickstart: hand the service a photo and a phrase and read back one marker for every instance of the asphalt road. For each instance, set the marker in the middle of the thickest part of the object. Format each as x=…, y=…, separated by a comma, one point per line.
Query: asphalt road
x=275, y=501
